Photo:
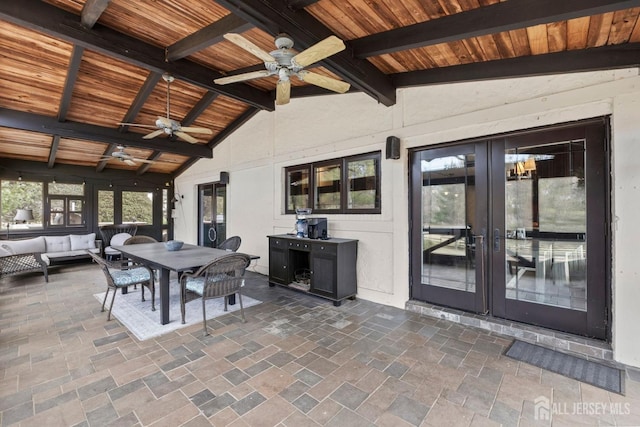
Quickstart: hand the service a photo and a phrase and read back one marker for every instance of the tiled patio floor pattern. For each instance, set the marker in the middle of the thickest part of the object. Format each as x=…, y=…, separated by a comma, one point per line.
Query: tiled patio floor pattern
x=298, y=361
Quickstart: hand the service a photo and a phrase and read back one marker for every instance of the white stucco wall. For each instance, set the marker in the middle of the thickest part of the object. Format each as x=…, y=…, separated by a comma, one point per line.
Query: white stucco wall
x=311, y=129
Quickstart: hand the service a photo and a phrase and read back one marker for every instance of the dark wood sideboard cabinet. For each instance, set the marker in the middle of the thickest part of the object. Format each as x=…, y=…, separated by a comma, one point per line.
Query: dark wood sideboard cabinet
x=326, y=268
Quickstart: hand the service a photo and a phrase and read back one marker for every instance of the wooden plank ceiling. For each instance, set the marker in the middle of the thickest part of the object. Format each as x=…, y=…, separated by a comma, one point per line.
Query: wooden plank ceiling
x=72, y=70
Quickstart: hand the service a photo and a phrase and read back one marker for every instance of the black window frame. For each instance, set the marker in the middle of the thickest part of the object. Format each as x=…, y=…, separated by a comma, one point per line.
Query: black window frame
x=343, y=162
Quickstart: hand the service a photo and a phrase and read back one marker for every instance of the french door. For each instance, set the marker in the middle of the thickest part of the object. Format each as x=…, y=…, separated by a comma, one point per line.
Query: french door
x=212, y=214
x=516, y=227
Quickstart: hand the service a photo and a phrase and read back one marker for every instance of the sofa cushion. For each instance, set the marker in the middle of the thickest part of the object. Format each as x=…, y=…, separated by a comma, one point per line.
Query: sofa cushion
x=58, y=243
x=25, y=246
x=82, y=241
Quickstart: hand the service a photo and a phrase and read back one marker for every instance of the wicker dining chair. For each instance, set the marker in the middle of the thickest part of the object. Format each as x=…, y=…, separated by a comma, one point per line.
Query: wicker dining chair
x=135, y=240
x=221, y=277
x=111, y=230
x=231, y=244
x=122, y=278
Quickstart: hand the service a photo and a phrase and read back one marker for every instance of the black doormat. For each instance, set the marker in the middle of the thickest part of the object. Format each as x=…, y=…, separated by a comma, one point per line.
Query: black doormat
x=597, y=374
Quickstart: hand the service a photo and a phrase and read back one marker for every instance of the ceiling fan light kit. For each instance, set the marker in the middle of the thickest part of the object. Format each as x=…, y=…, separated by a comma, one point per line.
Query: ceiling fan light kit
x=285, y=62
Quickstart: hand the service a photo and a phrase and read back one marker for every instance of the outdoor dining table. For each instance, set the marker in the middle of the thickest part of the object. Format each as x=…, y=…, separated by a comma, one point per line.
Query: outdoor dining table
x=158, y=257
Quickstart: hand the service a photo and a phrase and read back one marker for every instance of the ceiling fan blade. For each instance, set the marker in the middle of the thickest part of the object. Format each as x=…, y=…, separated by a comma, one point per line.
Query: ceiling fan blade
x=154, y=134
x=318, y=51
x=129, y=162
x=242, y=77
x=185, y=136
x=196, y=130
x=136, y=125
x=283, y=92
x=323, y=81
x=245, y=44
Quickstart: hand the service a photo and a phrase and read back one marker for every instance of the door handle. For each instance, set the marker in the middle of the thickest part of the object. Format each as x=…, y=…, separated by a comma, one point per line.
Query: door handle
x=496, y=240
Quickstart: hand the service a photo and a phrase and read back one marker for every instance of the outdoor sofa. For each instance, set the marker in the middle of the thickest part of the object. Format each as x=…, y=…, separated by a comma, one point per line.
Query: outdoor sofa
x=38, y=253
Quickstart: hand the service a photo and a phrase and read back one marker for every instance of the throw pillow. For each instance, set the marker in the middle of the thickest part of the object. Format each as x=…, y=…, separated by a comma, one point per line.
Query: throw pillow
x=26, y=246
x=83, y=241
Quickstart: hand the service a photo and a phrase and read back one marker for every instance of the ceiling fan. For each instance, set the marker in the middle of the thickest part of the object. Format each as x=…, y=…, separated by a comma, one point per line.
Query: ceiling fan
x=284, y=62
x=127, y=158
x=169, y=126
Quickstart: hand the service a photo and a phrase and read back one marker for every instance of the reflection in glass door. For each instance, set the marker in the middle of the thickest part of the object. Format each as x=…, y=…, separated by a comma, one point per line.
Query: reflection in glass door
x=516, y=227
x=212, y=206
x=449, y=247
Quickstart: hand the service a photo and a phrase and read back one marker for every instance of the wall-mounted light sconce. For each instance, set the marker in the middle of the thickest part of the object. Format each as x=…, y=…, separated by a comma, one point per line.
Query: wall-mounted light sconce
x=20, y=177
x=110, y=184
x=54, y=180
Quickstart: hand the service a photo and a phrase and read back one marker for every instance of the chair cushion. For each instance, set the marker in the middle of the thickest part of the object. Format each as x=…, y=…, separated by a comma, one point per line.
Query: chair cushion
x=196, y=284
x=130, y=277
x=83, y=241
x=119, y=239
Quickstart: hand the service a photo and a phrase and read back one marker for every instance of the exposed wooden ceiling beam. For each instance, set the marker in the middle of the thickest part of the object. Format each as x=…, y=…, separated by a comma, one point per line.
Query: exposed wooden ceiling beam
x=204, y=103
x=70, y=82
x=75, y=173
x=55, y=22
x=600, y=58
x=53, y=151
x=496, y=18
x=207, y=36
x=300, y=4
x=274, y=16
x=91, y=11
x=145, y=166
x=49, y=125
x=141, y=97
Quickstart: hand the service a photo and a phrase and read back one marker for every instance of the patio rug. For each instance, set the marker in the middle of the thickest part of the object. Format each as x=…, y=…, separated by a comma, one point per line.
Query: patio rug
x=596, y=374
x=145, y=324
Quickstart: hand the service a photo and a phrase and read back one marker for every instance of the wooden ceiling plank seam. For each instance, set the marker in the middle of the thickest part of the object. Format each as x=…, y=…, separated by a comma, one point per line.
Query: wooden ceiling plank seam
x=557, y=36
x=204, y=103
x=596, y=59
x=306, y=31
x=91, y=12
x=538, y=39
x=37, y=123
x=39, y=16
x=206, y=36
x=70, y=81
x=599, y=29
x=577, y=32
x=635, y=34
x=141, y=97
x=622, y=25
x=55, y=142
x=504, y=16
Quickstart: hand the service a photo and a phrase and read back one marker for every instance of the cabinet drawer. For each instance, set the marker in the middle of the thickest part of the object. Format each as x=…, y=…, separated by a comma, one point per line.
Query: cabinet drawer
x=277, y=243
x=299, y=246
x=325, y=248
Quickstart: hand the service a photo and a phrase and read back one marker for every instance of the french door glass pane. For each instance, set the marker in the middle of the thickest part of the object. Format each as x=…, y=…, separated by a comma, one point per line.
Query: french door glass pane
x=448, y=200
x=545, y=208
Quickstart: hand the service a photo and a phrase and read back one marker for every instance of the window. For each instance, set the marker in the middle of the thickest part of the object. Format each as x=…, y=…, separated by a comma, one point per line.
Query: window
x=137, y=207
x=66, y=204
x=21, y=195
x=105, y=207
x=346, y=185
